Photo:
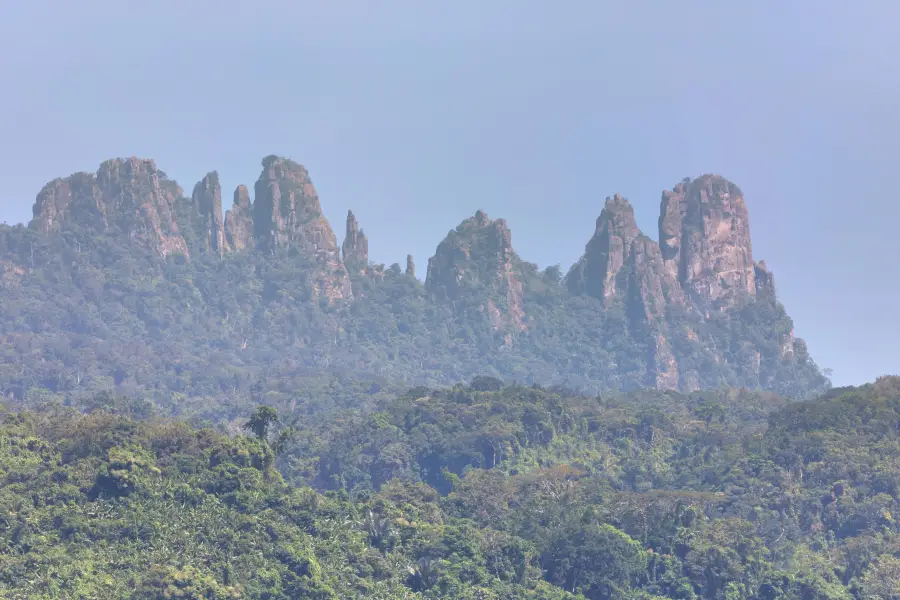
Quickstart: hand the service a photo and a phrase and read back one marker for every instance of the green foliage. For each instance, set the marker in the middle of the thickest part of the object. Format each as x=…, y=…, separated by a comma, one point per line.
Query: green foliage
x=470, y=492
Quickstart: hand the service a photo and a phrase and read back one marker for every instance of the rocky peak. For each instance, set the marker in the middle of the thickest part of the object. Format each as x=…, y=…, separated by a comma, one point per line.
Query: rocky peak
x=356, y=246
x=74, y=198
x=129, y=195
x=207, y=206
x=704, y=235
x=410, y=266
x=607, y=251
x=287, y=216
x=478, y=256
x=239, y=220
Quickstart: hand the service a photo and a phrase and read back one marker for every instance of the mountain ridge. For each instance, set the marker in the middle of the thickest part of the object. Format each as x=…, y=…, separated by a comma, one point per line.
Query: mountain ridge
x=693, y=310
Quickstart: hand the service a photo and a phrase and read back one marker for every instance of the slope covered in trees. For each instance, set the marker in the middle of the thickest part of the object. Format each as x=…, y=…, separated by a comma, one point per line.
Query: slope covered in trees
x=123, y=283
x=478, y=491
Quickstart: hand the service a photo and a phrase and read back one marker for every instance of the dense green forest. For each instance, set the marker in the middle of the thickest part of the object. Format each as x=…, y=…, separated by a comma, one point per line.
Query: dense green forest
x=478, y=491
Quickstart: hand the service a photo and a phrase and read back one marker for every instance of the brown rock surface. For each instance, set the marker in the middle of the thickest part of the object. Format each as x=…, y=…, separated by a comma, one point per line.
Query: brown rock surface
x=239, y=221
x=130, y=195
x=477, y=255
x=704, y=235
x=651, y=288
x=355, y=248
x=287, y=216
x=765, y=280
x=595, y=274
x=207, y=204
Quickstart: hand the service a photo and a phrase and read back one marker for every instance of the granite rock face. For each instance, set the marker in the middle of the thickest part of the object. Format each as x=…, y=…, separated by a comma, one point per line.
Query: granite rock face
x=207, y=206
x=355, y=248
x=130, y=196
x=702, y=266
x=239, y=221
x=287, y=215
x=597, y=272
x=664, y=314
x=478, y=257
x=704, y=235
x=133, y=199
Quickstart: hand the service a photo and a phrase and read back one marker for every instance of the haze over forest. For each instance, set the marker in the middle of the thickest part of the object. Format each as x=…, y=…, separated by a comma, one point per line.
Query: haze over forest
x=485, y=302
x=415, y=141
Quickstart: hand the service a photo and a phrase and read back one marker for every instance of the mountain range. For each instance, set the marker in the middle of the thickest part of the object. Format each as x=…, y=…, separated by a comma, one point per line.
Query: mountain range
x=124, y=282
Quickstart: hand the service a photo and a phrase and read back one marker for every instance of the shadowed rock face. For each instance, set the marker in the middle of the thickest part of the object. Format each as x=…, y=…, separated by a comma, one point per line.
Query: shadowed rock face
x=239, y=221
x=355, y=248
x=596, y=274
x=207, y=205
x=478, y=255
x=130, y=195
x=704, y=234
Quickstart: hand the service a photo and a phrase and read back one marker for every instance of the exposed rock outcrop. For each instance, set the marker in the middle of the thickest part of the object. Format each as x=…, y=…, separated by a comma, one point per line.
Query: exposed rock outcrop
x=410, y=266
x=651, y=288
x=478, y=256
x=239, y=221
x=701, y=268
x=129, y=195
x=606, y=253
x=287, y=216
x=704, y=235
x=207, y=204
x=355, y=248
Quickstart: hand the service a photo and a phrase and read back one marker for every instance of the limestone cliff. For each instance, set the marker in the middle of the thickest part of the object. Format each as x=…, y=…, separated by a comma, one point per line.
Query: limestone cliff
x=478, y=257
x=130, y=196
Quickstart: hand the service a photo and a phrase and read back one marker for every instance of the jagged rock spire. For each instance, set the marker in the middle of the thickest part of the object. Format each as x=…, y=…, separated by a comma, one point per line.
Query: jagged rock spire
x=130, y=194
x=478, y=256
x=356, y=246
x=607, y=251
x=239, y=221
x=704, y=236
x=287, y=215
x=207, y=203
x=410, y=266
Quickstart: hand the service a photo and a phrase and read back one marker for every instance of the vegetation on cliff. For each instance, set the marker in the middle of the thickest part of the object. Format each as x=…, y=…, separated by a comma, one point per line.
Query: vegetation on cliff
x=123, y=284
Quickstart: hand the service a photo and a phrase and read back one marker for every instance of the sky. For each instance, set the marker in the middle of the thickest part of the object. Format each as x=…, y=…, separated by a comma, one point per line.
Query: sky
x=416, y=114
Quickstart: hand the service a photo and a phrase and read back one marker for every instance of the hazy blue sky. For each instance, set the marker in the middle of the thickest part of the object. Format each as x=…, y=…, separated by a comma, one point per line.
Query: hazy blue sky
x=416, y=115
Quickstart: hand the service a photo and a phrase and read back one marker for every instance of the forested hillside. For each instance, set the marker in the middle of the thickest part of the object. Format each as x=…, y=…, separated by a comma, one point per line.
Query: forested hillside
x=210, y=404
x=478, y=491
x=123, y=283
